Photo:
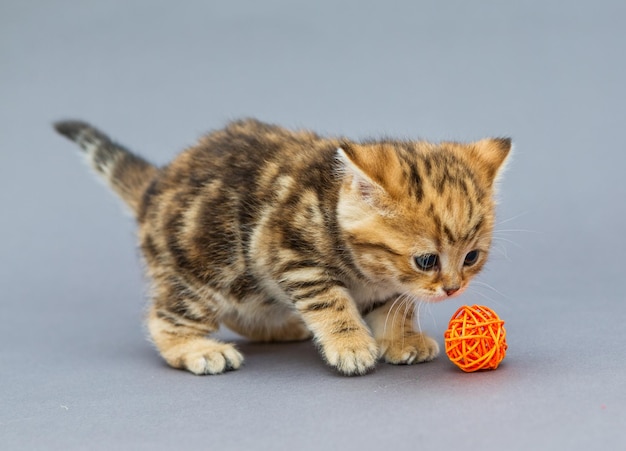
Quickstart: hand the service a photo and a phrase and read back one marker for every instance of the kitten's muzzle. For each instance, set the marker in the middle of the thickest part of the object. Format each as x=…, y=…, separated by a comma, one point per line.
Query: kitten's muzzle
x=451, y=290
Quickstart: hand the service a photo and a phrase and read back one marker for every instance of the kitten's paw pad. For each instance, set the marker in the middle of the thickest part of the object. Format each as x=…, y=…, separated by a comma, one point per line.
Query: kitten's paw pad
x=409, y=350
x=352, y=356
x=210, y=358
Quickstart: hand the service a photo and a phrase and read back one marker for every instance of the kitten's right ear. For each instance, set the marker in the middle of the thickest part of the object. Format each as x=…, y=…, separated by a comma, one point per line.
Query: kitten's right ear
x=361, y=183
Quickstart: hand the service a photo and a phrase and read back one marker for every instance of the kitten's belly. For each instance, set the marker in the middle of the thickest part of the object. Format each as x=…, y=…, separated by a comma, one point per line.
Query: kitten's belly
x=261, y=318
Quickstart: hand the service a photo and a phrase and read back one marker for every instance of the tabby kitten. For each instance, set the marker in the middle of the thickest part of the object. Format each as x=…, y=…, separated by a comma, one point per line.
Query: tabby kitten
x=282, y=235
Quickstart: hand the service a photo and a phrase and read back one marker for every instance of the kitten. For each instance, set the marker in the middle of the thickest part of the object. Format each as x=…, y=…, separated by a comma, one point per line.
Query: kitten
x=285, y=235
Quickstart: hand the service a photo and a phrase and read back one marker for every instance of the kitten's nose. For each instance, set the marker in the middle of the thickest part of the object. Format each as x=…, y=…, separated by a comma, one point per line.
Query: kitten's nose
x=450, y=291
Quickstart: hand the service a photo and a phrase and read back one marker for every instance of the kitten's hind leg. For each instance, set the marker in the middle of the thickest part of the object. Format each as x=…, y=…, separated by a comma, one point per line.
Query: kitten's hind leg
x=183, y=343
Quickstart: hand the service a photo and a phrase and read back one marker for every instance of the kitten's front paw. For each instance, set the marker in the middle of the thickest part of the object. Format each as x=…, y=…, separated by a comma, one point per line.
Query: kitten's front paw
x=415, y=348
x=352, y=355
x=205, y=357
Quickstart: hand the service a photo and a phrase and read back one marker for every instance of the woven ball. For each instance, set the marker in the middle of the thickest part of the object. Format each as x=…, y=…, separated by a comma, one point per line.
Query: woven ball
x=475, y=339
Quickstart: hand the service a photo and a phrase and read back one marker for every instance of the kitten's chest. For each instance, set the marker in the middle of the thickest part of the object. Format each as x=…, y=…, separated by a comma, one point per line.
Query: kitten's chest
x=367, y=295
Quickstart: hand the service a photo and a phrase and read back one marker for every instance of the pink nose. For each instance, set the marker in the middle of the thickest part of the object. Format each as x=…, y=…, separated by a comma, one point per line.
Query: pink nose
x=451, y=291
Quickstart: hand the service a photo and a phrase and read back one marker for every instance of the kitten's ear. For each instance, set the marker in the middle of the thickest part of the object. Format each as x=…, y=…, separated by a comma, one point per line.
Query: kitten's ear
x=364, y=183
x=493, y=154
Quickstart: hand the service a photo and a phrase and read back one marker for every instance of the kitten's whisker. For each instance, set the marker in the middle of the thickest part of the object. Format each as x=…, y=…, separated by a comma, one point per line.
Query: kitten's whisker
x=485, y=284
x=389, y=313
x=404, y=310
x=516, y=230
x=393, y=321
x=499, y=238
x=481, y=294
x=420, y=303
x=484, y=296
x=409, y=311
x=512, y=218
x=430, y=313
x=405, y=305
x=502, y=250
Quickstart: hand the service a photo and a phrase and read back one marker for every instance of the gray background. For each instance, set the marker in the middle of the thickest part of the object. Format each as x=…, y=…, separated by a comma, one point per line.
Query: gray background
x=76, y=371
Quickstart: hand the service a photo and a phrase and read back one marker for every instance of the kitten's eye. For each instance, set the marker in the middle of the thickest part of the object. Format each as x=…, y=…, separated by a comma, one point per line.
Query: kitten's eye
x=426, y=262
x=471, y=258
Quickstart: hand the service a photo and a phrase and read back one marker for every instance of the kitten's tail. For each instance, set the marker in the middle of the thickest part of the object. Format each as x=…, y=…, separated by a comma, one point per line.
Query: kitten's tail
x=128, y=174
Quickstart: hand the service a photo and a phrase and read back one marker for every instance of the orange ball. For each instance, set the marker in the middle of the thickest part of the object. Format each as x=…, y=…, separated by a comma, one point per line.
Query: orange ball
x=475, y=339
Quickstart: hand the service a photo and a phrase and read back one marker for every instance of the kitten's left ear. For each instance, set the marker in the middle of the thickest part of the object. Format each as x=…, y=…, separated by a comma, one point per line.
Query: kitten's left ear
x=493, y=154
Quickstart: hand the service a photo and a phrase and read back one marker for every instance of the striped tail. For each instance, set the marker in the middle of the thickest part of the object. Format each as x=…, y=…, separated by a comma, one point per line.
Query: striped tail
x=126, y=173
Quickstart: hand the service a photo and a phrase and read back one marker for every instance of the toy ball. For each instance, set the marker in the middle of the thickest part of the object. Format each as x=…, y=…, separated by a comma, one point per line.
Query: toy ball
x=475, y=339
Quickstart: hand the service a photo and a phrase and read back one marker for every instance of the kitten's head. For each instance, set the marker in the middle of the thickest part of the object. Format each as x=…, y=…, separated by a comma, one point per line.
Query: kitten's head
x=418, y=217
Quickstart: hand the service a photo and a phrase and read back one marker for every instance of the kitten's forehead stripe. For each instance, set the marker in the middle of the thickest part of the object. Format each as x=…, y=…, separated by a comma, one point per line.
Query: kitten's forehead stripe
x=437, y=220
x=470, y=208
x=412, y=175
x=473, y=231
x=452, y=239
x=416, y=188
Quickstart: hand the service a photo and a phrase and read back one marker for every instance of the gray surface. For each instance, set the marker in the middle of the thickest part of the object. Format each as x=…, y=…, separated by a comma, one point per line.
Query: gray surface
x=75, y=369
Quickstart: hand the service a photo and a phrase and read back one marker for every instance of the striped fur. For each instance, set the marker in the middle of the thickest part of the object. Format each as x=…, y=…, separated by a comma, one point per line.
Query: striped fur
x=126, y=173
x=283, y=235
